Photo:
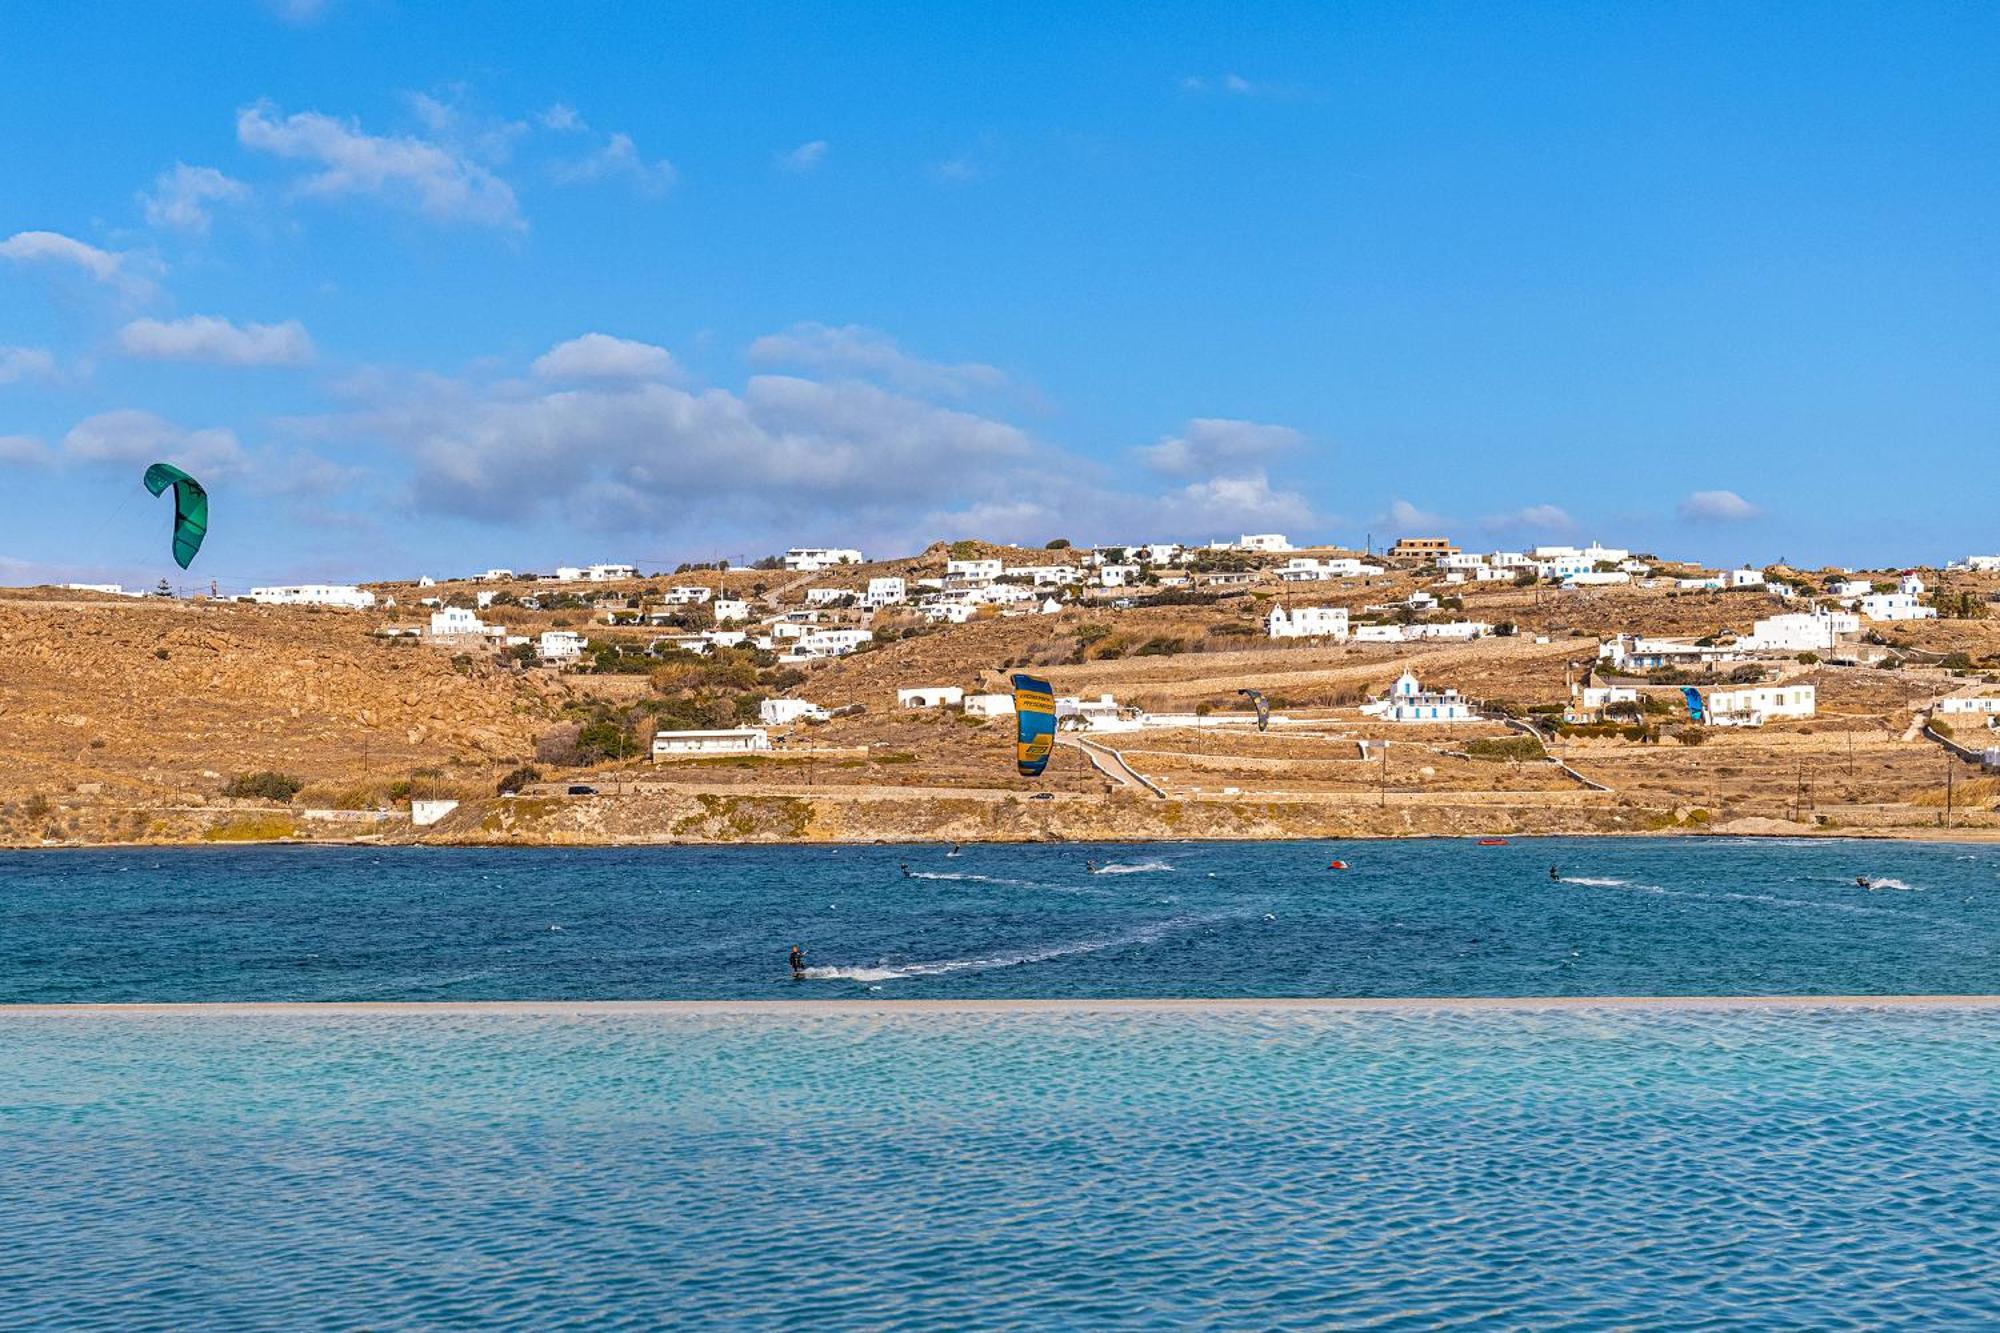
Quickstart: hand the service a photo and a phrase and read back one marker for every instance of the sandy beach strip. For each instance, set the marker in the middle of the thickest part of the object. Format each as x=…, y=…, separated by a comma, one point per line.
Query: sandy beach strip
x=889, y=1008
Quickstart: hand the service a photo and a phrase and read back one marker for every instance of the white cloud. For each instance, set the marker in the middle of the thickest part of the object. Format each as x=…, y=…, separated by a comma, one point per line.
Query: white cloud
x=806, y=157
x=1533, y=518
x=52, y=247
x=563, y=119
x=1717, y=507
x=619, y=159
x=299, y=12
x=25, y=363
x=599, y=356
x=1409, y=520
x=443, y=184
x=208, y=338
x=133, y=436
x=181, y=197
x=956, y=171
x=1235, y=85
x=851, y=349
x=23, y=451
x=1213, y=444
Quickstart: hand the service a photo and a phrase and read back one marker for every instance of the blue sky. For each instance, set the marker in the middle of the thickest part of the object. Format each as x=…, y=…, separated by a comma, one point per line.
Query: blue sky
x=423, y=290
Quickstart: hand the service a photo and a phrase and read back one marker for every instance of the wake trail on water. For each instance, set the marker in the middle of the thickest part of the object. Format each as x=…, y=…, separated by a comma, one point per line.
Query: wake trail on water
x=947, y=966
x=1133, y=868
x=1726, y=895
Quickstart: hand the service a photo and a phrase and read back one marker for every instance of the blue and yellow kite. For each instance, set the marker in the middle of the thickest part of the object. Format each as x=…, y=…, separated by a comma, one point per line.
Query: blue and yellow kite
x=1035, y=714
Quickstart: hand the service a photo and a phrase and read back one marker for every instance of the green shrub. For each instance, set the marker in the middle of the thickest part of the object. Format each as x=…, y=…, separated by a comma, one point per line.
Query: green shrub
x=1516, y=749
x=264, y=786
x=518, y=779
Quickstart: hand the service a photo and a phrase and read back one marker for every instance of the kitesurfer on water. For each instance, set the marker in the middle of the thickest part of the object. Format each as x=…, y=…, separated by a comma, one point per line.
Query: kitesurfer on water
x=904, y=866
x=798, y=962
x=1864, y=881
x=1555, y=874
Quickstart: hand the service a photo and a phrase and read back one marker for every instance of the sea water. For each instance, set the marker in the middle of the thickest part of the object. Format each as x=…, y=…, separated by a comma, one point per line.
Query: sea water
x=1622, y=916
x=1665, y=1168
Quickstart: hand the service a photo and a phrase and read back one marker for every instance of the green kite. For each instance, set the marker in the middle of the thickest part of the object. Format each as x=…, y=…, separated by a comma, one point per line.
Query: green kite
x=190, y=508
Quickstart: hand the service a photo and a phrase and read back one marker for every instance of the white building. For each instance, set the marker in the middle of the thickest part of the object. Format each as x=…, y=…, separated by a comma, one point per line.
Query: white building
x=1597, y=578
x=733, y=740
x=989, y=705
x=830, y=596
x=1983, y=564
x=1448, y=629
x=686, y=594
x=1895, y=606
x=452, y=622
x=1989, y=705
x=1754, y=705
x=1379, y=634
x=1118, y=576
x=1099, y=714
x=948, y=613
x=886, y=592
x=1307, y=622
x=930, y=696
x=1410, y=702
x=1799, y=632
x=1910, y=584
x=784, y=712
x=1263, y=541
x=971, y=572
x=114, y=589
x=315, y=594
x=1746, y=578
x=731, y=610
x=1852, y=588
x=830, y=642
x=497, y=576
x=557, y=645
x=805, y=559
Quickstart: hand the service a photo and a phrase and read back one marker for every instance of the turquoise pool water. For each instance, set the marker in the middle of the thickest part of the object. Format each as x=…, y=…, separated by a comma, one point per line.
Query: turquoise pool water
x=1653, y=1168
x=1437, y=918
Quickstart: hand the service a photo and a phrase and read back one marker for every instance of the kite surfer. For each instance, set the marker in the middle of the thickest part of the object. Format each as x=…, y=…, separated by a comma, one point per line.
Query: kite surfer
x=1555, y=875
x=798, y=963
x=1864, y=881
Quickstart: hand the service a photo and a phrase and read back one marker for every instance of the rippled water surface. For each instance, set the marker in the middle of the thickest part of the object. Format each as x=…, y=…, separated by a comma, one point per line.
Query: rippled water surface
x=1627, y=916
x=1656, y=1168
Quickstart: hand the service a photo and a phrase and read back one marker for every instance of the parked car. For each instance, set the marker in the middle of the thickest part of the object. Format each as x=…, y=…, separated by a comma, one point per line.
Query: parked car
x=579, y=789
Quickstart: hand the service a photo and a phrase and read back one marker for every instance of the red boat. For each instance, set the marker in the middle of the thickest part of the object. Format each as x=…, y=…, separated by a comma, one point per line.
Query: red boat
x=1492, y=842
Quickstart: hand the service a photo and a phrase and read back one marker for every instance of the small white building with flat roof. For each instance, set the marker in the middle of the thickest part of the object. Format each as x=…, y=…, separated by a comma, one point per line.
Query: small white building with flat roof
x=1754, y=705
x=930, y=696
x=731, y=740
x=1306, y=622
x=344, y=595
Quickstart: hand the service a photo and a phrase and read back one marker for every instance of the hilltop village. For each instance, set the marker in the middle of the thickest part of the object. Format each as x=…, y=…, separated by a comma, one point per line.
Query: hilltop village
x=823, y=694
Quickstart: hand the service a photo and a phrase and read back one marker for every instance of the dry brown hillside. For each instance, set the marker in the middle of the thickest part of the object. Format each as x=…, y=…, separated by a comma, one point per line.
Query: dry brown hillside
x=165, y=700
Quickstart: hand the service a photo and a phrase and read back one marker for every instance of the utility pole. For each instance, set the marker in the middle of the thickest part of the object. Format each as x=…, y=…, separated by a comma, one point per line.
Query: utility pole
x=1385, y=775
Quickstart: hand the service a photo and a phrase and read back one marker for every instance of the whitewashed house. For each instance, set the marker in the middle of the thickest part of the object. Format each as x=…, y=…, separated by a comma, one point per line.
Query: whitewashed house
x=458, y=622
x=972, y=573
x=831, y=596
x=1460, y=630
x=687, y=594
x=343, y=595
x=1895, y=606
x=1268, y=542
x=1799, y=632
x=1409, y=701
x=1986, y=705
x=1378, y=634
x=830, y=642
x=1910, y=584
x=1983, y=564
x=1746, y=578
x=731, y=610
x=1754, y=705
x=989, y=705
x=1306, y=622
x=806, y=559
x=1117, y=576
x=930, y=696
x=559, y=645
x=1849, y=589
x=948, y=613
x=888, y=591
x=731, y=740
x=784, y=712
